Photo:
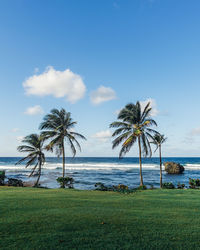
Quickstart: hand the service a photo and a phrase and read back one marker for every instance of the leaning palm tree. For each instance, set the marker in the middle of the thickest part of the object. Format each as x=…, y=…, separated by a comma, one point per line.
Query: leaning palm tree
x=134, y=125
x=58, y=127
x=158, y=140
x=33, y=145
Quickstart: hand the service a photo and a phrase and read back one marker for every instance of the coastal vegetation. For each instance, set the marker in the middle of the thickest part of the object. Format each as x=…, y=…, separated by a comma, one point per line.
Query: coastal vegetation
x=158, y=140
x=134, y=125
x=58, y=126
x=72, y=219
x=34, y=146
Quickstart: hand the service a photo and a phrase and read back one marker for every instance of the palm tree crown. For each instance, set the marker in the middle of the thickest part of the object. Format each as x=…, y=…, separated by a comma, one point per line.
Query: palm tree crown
x=134, y=125
x=158, y=140
x=34, y=147
x=58, y=127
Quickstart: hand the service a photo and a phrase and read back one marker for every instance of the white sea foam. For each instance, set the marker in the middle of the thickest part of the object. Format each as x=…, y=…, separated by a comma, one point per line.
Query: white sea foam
x=82, y=166
x=99, y=166
x=93, y=166
x=194, y=166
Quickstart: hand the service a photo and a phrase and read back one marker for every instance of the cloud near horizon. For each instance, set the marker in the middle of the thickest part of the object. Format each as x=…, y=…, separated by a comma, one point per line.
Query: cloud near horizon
x=35, y=110
x=102, y=94
x=56, y=83
x=103, y=136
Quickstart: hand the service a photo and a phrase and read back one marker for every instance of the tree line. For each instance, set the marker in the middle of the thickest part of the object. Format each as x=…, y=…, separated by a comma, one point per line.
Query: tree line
x=133, y=125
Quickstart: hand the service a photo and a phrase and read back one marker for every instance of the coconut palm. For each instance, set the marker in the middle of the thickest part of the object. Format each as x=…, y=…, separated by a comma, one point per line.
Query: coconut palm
x=133, y=126
x=33, y=145
x=58, y=127
x=158, y=140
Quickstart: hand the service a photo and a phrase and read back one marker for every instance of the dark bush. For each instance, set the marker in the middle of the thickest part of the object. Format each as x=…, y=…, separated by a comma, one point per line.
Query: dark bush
x=194, y=183
x=180, y=186
x=168, y=185
x=15, y=182
x=2, y=177
x=121, y=188
x=142, y=187
x=65, y=182
x=101, y=187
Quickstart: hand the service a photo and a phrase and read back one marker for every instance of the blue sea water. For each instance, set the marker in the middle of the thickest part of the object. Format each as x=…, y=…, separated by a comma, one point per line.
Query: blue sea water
x=111, y=171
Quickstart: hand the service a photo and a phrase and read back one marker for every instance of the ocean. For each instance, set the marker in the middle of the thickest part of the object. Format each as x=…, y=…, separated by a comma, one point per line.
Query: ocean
x=87, y=171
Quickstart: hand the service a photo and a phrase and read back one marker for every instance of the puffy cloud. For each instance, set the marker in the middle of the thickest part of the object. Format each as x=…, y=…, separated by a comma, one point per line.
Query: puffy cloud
x=154, y=111
x=56, y=83
x=103, y=135
x=102, y=94
x=35, y=110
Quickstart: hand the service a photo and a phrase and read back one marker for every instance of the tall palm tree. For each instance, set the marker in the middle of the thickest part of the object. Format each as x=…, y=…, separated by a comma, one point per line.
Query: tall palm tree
x=58, y=126
x=158, y=140
x=34, y=147
x=134, y=125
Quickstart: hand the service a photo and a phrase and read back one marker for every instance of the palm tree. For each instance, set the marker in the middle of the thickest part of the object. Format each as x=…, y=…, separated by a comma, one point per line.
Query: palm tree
x=58, y=126
x=158, y=140
x=34, y=147
x=134, y=125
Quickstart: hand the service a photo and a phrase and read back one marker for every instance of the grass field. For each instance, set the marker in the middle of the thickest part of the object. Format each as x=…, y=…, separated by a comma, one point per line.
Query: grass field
x=71, y=219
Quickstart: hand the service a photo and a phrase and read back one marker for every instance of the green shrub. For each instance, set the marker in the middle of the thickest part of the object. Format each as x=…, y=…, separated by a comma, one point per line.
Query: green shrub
x=142, y=187
x=121, y=188
x=152, y=187
x=168, y=185
x=194, y=183
x=2, y=177
x=101, y=187
x=65, y=182
x=180, y=186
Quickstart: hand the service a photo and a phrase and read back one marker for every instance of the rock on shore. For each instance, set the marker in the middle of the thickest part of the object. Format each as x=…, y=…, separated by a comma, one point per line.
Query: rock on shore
x=173, y=168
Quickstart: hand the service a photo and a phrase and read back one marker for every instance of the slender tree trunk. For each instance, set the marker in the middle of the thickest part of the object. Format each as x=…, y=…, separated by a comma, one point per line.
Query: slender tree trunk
x=140, y=160
x=160, y=166
x=39, y=174
x=63, y=155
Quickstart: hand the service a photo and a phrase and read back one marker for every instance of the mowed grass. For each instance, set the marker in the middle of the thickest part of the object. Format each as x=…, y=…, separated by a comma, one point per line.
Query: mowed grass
x=72, y=219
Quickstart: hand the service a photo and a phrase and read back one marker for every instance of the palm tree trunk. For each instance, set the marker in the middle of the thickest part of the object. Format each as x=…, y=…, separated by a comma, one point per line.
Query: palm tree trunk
x=160, y=166
x=39, y=174
x=63, y=155
x=140, y=160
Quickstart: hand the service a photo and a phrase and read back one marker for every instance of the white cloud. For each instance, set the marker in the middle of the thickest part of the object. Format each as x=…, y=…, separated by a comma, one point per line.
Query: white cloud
x=154, y=111
x=102, y=94
x=103, y=136
x=20, y=138
x=56, y=83
x=35, y=110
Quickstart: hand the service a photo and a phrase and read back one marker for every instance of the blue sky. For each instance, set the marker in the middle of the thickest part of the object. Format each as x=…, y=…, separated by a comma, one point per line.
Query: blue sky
x=93, y=57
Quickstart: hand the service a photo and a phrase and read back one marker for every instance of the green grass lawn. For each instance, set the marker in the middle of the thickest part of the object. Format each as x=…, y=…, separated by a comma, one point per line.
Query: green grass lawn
x=71, y=219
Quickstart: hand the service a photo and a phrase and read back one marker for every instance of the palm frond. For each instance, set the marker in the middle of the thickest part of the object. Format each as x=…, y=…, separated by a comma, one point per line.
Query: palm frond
x=120, y=138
